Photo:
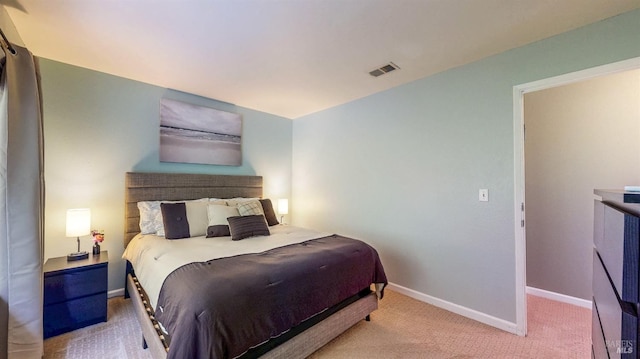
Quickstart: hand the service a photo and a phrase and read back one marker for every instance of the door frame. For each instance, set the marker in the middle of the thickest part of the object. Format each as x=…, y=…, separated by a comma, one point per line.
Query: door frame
x=518, y=142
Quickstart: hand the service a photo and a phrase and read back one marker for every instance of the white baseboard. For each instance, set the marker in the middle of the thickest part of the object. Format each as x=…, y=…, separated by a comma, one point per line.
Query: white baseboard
x=115, y=293
x=458, y=309
x=559, y=297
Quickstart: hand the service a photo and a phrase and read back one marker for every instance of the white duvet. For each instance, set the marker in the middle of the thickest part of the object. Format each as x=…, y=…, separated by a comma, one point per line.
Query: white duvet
x=154, y=258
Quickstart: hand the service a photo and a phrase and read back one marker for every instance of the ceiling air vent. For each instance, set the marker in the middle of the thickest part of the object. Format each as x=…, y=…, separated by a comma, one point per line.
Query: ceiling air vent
x=384, y=69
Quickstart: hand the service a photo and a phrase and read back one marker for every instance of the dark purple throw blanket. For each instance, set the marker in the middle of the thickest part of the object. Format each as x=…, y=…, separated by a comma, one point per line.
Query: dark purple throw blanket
x=223, y=307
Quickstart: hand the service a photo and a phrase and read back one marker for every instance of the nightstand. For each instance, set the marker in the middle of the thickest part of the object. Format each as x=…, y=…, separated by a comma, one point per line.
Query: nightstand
x=75, y=293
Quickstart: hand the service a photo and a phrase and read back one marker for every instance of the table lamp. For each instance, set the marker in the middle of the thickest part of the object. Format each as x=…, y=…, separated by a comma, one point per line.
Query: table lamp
x=283, y=208
x=78, y=224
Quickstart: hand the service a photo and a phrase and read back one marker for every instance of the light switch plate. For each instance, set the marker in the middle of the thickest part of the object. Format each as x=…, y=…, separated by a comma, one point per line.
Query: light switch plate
x=483, y=195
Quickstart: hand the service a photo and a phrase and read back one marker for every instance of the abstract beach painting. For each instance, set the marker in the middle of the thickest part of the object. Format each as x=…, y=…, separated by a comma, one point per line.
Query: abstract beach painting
x=197, y=134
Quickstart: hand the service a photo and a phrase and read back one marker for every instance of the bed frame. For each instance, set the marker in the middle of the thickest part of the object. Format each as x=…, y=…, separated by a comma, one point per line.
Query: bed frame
x=141, y=186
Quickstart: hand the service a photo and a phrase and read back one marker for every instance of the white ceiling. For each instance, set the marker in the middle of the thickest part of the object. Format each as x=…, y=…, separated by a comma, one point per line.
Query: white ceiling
x=289, y=57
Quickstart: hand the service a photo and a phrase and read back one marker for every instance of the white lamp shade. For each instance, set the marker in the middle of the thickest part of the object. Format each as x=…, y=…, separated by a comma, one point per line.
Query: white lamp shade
x=78, y=222
x=283, y=206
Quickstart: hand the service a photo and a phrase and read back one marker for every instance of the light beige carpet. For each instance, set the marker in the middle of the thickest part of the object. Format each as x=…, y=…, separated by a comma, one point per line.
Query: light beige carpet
x=401, y=328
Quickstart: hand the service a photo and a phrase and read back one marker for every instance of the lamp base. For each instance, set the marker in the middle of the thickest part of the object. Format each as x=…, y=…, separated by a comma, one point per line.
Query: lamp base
x=77, y=256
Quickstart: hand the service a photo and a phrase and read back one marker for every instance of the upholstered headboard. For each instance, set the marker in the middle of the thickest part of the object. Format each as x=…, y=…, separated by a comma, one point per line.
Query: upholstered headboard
x=144, y=186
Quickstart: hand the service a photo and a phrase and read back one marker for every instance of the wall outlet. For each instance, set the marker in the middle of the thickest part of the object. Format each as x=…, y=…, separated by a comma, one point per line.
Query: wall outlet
x=483, y=195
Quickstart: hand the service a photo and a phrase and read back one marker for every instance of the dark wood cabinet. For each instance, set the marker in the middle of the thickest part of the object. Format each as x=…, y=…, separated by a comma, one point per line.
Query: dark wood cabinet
x=616, y=264
x=75, y=293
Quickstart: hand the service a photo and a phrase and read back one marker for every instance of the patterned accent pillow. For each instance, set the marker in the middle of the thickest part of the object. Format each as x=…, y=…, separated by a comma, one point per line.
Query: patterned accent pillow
x=250, y=208
x=234, y=202
x=242, y=227
x=150, y=217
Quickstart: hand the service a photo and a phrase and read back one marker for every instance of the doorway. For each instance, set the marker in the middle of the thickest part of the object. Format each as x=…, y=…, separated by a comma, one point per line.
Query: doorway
x=519, y=159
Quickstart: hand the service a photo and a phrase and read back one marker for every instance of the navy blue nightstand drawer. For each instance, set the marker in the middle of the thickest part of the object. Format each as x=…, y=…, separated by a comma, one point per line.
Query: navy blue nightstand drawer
x=619, y=326
x=619, y=249
x=74, y=314
x=598, y=344
x=74, y=284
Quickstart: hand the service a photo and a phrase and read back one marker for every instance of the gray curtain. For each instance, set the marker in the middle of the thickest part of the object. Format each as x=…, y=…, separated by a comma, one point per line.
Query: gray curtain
x=21, y=206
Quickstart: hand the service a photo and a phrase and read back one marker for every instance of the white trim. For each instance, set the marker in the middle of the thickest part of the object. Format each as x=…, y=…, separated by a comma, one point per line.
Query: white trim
x=455, y=308
x=518, y=146
x=519, y=214
x=582, y=75
x=559, y=297
x=115, y=293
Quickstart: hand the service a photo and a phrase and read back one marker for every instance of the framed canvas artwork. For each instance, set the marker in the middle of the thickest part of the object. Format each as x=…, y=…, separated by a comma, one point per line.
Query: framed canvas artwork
x=196, y=134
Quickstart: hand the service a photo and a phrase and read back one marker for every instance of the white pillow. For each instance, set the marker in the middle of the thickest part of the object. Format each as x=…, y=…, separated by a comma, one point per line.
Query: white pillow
x=250, y=208
x=197, y=217
x=217, y=214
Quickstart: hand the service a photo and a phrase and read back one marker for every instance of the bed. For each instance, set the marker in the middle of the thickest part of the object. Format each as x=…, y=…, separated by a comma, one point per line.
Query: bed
x=297, y=334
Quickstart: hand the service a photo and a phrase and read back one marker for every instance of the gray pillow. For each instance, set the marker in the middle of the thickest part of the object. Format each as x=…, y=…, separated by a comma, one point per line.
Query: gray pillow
x=174, y=218
x=242, y=227
x=269, y=213
x=218, y=230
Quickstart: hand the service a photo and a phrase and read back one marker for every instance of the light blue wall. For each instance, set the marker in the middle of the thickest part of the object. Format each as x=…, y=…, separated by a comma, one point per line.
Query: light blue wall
x=401, y=169
x=98, y=126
